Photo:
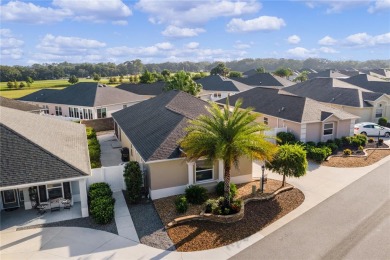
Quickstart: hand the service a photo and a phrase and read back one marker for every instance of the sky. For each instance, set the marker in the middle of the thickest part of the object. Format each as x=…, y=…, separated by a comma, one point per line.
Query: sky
x=76, y=31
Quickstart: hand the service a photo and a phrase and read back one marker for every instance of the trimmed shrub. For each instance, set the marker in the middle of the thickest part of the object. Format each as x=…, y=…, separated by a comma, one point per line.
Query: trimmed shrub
x=355, y=142
x=284, y=137
x=91, y=133
x=310, y=143
x=382, y=121
x=380, y=141
x=371, y=140
x=362, y=139
x=347, y=152
x=196, y=194
x=217, y=207
x=321, y=144
x=346, y=140
x=220, y=189
x=333, y=147
x=361, y=148
x=212, y=206
x=236, y=206
x=99, y=193
x=181, y=204
x=338, y=142
x=133, y=180
x=102, y=210
x=93, y=148
x=318, y=154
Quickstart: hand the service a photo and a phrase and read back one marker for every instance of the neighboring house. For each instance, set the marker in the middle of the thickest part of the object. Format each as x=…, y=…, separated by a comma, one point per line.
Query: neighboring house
x=367, y=105
x=307, y=119
x=370, y=83
x=11, y=103
x=152, y=131
x=379, y=73
x=215, y=87
x=86, y=100
x=265, y=80
x=152, y=89
x=350, y=72
x=41, y=159
x=327, y=74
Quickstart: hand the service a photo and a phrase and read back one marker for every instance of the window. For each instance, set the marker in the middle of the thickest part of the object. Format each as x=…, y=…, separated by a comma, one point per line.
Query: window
x=266, y=120
x=204, y=170
x=217, y=95
x=54, y=190
x=368, y=126
x=21, y=196
x=71, y=114
x=9, y=196
x=90, y=116
x=101, y=112
x=328, y=129
x=46, y=109
x=58, y=111
x=378, y=112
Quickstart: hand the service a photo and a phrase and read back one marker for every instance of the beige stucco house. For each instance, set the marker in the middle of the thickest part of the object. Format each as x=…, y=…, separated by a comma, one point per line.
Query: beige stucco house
x=307, y=119
x=152, y=130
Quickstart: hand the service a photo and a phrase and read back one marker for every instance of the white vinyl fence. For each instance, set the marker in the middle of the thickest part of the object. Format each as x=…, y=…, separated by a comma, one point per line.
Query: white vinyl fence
x=112, y=175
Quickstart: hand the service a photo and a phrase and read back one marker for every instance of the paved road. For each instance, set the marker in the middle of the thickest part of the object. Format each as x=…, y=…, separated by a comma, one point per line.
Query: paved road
x=352, y=224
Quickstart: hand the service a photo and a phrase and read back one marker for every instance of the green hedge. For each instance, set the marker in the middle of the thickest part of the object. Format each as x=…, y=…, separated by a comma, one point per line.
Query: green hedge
x=101, y=202
x=93, y=148
x=284, y=138
x=318, y=154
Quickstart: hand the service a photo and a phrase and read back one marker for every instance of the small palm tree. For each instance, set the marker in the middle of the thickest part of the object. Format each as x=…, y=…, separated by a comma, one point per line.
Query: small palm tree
x=183, y=81
x=227, y=135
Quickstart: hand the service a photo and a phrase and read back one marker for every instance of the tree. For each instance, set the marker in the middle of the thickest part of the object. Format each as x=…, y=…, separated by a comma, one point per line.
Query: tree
x=29, y=80
x=235, y=74
x=227, y=135
x=183, y=81
x=73, y=79
x=166, y=73
x=283, y=72
x=96, y=77
x=147, y=77
x=133, y=181
x=10, y=84
x=220, y=69
x=301, y=77
x=290, y=160
x=121, y=78
x=260, y=69
x=22, y=85
x=16, y=84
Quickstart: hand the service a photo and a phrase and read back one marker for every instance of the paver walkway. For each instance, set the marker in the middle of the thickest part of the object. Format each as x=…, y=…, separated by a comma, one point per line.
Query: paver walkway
x=123, y=220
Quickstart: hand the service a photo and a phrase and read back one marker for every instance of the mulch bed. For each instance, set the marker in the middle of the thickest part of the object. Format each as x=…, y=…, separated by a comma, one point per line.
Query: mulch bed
x=87, y=222
x=350, y=162
x=167, y=211
x=203, y=235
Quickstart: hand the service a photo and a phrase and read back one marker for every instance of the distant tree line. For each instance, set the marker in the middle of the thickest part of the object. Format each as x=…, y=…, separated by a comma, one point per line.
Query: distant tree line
x=136, y=67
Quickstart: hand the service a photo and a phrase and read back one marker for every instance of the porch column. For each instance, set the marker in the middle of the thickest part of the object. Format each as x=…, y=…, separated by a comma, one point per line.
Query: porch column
x=221, y=170
x=190, y=173
x=83, y=198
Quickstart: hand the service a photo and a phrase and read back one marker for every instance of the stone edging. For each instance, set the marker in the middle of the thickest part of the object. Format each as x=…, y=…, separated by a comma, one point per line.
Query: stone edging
x=358, y=156
x=225, y=218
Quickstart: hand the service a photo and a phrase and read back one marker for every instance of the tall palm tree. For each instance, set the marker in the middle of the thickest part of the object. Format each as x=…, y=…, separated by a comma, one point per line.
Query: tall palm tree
x=227, y=135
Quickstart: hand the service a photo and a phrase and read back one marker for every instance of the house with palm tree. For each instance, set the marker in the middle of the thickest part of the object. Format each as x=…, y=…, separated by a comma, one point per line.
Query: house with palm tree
x=153, y=130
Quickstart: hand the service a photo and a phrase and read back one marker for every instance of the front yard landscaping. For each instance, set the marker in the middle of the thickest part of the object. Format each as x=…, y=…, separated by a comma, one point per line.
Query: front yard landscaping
x=201, y=235
x=373, y=156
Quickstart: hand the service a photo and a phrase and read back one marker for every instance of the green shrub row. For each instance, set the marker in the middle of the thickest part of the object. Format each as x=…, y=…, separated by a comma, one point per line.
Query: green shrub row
x=101, y=203
x=133, y=180
x=318, y=154
x=93, y=148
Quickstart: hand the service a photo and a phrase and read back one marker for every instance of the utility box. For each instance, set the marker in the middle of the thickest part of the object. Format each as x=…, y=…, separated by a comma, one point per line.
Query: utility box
x=125, y=154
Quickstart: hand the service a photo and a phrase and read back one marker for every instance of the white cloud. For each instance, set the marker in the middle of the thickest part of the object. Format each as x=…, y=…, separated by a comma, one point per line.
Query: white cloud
x=300, y=52
x=16, y=11
x=90, y=10
x=327, y=40
x=120, y=22
x=327, y=50
x=10, y=45
x=192, y=45
x=366, y=40
x=241, y=46
x=164, y=45
x=174, y=31
x=195, y=12
x=380, y=5
x=294, y=39
x=337, y=6
x=262, y=23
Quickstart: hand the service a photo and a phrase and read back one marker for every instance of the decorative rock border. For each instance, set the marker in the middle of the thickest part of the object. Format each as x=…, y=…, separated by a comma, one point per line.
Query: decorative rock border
x=225, y=218
x=364, y=154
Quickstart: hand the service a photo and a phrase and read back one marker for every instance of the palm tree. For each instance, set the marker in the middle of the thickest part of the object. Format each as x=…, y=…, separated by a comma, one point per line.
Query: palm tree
x=183, y=81
x=227, y=135
x=302, y=76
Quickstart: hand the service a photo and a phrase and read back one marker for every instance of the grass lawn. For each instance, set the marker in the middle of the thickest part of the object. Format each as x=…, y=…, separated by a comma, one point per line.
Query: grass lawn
x=40, y=84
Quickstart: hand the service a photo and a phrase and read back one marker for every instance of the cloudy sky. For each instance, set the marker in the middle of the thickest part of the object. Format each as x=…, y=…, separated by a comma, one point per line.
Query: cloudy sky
x=40, y=31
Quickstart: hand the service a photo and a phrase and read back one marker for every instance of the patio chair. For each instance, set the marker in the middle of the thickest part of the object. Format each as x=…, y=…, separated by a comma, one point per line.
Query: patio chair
x=54, y=205
x=42, y=208
x=66, y=203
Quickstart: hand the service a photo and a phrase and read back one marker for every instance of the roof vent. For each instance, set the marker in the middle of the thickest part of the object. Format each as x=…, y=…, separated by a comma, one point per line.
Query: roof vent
x=283, y=108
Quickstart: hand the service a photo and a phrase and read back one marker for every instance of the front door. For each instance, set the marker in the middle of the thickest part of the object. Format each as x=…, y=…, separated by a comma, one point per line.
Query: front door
x=10, y=199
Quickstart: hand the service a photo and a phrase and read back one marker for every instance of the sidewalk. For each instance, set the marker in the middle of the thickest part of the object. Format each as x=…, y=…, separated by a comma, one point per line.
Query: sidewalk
x=318, y=184
x=123, y=220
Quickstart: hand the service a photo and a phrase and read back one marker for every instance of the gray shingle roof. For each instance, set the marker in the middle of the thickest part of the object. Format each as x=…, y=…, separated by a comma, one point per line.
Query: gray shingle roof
x=265, y=79
x=11, y=103
x=36, y=148
x=327, y=74
x=88, y=94
x=219, y=83
x=333, y=91
x=152, y=89
x=277, y=103
x=370, y=83
x=156, y=125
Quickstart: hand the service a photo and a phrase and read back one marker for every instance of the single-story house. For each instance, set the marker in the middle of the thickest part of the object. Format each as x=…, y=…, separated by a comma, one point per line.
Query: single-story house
x=379, y=73
x=370, y=83
x=42, y=159
x=152, y=89
x=367, y=105
x=264, y=80
x=307, y=119
x=216, y=87
x=15, y=104
x=152, y=130
x=85, y=100
x=327, y=74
